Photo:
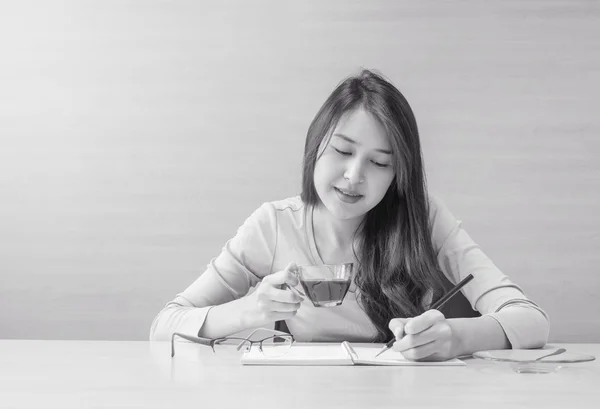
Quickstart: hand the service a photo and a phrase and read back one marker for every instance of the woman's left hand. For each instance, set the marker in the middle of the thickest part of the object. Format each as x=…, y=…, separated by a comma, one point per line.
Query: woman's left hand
x=427, y=337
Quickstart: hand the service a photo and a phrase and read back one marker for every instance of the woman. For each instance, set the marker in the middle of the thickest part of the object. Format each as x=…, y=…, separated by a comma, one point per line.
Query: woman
x=364, y=200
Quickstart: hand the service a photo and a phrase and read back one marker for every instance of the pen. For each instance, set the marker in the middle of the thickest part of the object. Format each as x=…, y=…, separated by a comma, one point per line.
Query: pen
x=435, y=306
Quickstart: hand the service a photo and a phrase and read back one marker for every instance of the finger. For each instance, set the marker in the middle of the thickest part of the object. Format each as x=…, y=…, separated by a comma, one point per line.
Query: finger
x=396, y=325
x=279, y=316
x=292, y=275
x=285, y=276
x=439, y=332
x=275, y=306
x=283, y=296
x=424, y=321
x=422, y=352
x=292, y=267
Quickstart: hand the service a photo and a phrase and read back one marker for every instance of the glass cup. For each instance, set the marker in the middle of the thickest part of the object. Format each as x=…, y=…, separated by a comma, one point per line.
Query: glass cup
x=326, y=285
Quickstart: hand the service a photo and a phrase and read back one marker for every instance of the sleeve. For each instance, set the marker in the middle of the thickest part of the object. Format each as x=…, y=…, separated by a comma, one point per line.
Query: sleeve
x=243, y=262
x=490, y=292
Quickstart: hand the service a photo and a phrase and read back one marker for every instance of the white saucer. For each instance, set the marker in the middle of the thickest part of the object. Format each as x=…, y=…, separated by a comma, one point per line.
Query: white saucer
x=528, y=355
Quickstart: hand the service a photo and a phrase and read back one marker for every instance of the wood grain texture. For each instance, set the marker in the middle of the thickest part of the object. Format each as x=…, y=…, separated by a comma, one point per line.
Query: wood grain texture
x=135, y=137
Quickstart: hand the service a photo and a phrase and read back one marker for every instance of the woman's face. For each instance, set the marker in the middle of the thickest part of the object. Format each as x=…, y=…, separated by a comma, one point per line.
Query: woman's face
x=355, y=169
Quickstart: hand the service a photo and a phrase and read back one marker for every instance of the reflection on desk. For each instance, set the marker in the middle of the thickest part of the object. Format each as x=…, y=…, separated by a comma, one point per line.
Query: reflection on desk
x=75, y=374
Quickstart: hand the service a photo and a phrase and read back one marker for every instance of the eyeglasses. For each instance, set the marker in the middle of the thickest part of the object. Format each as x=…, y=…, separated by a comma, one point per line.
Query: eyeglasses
x=277, y=343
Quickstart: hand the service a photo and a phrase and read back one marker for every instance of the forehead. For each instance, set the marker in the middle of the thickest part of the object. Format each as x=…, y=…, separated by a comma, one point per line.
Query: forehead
x=364, y=128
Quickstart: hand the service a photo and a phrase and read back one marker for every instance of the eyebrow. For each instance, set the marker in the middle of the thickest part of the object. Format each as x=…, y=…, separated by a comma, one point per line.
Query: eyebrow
x=344, y=137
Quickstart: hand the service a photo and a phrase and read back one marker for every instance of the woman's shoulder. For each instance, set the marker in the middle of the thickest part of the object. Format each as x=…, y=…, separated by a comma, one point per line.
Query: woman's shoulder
x=293, y=204
x=292, y=207
x=441, y=219
x=270, y=210
x=434, y=203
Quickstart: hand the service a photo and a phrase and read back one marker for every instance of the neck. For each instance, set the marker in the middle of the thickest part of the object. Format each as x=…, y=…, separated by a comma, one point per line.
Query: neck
x=334, y=232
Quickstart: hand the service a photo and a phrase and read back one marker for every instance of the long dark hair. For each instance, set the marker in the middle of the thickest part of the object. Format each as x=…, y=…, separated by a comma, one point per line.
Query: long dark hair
x=396, y=261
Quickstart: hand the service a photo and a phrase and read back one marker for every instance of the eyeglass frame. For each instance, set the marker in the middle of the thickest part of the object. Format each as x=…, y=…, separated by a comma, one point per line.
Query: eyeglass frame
x=212, y=341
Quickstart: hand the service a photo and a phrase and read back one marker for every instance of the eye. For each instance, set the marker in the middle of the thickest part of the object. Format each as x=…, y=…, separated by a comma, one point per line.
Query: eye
x=341, y=152
x=380, y=165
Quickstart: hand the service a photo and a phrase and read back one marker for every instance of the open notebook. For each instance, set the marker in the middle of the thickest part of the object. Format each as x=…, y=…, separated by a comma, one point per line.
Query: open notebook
x=336, y=354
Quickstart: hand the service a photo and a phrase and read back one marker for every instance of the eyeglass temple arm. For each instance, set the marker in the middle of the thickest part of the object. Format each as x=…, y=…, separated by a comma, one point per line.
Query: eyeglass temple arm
x=199, y=340
x=274, y=331
x=203, y=341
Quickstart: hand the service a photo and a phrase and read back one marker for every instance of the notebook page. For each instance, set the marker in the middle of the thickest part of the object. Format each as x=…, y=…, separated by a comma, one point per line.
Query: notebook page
x=391, y=357
x=298, y=354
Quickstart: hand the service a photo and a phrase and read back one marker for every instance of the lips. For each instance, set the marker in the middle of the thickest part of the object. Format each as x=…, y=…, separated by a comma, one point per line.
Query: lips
x=346, y=198
x=351, y=193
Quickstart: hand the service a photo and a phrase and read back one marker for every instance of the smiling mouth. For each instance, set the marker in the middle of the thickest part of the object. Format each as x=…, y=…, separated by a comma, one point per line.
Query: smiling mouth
x=347, y=193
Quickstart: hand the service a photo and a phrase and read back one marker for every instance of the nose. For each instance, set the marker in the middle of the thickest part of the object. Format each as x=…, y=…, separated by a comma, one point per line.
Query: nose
x=354, y=172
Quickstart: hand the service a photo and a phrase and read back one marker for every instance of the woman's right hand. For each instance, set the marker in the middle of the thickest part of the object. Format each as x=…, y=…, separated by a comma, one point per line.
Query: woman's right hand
x=272, y=301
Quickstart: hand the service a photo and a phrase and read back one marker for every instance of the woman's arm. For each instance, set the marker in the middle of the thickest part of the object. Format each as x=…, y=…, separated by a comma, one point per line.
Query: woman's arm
x=486, y=332
x=476, y=334
x=267, y=304
x=509, y=318
x=216, y=299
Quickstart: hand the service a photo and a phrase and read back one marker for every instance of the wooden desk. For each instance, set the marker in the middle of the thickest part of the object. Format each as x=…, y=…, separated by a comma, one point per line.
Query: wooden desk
x=76, y=374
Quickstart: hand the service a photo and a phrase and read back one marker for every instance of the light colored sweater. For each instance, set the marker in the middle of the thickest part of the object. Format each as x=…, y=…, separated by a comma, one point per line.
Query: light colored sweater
x=280, y=232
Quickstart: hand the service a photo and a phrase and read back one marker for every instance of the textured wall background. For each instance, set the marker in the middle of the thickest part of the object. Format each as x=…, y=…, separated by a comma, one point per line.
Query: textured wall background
x=135, y=137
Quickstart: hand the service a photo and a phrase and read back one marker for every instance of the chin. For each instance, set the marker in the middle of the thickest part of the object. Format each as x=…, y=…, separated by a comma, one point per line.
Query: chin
x=342, y=212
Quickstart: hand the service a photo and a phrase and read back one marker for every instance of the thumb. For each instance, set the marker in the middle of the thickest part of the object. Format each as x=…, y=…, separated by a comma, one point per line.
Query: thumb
x=292, y=273
x=287, y=275
x=292, y=267
x=397, y=325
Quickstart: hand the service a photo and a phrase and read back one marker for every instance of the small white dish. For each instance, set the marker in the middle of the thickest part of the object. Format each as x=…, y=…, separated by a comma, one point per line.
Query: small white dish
x=526, y=361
